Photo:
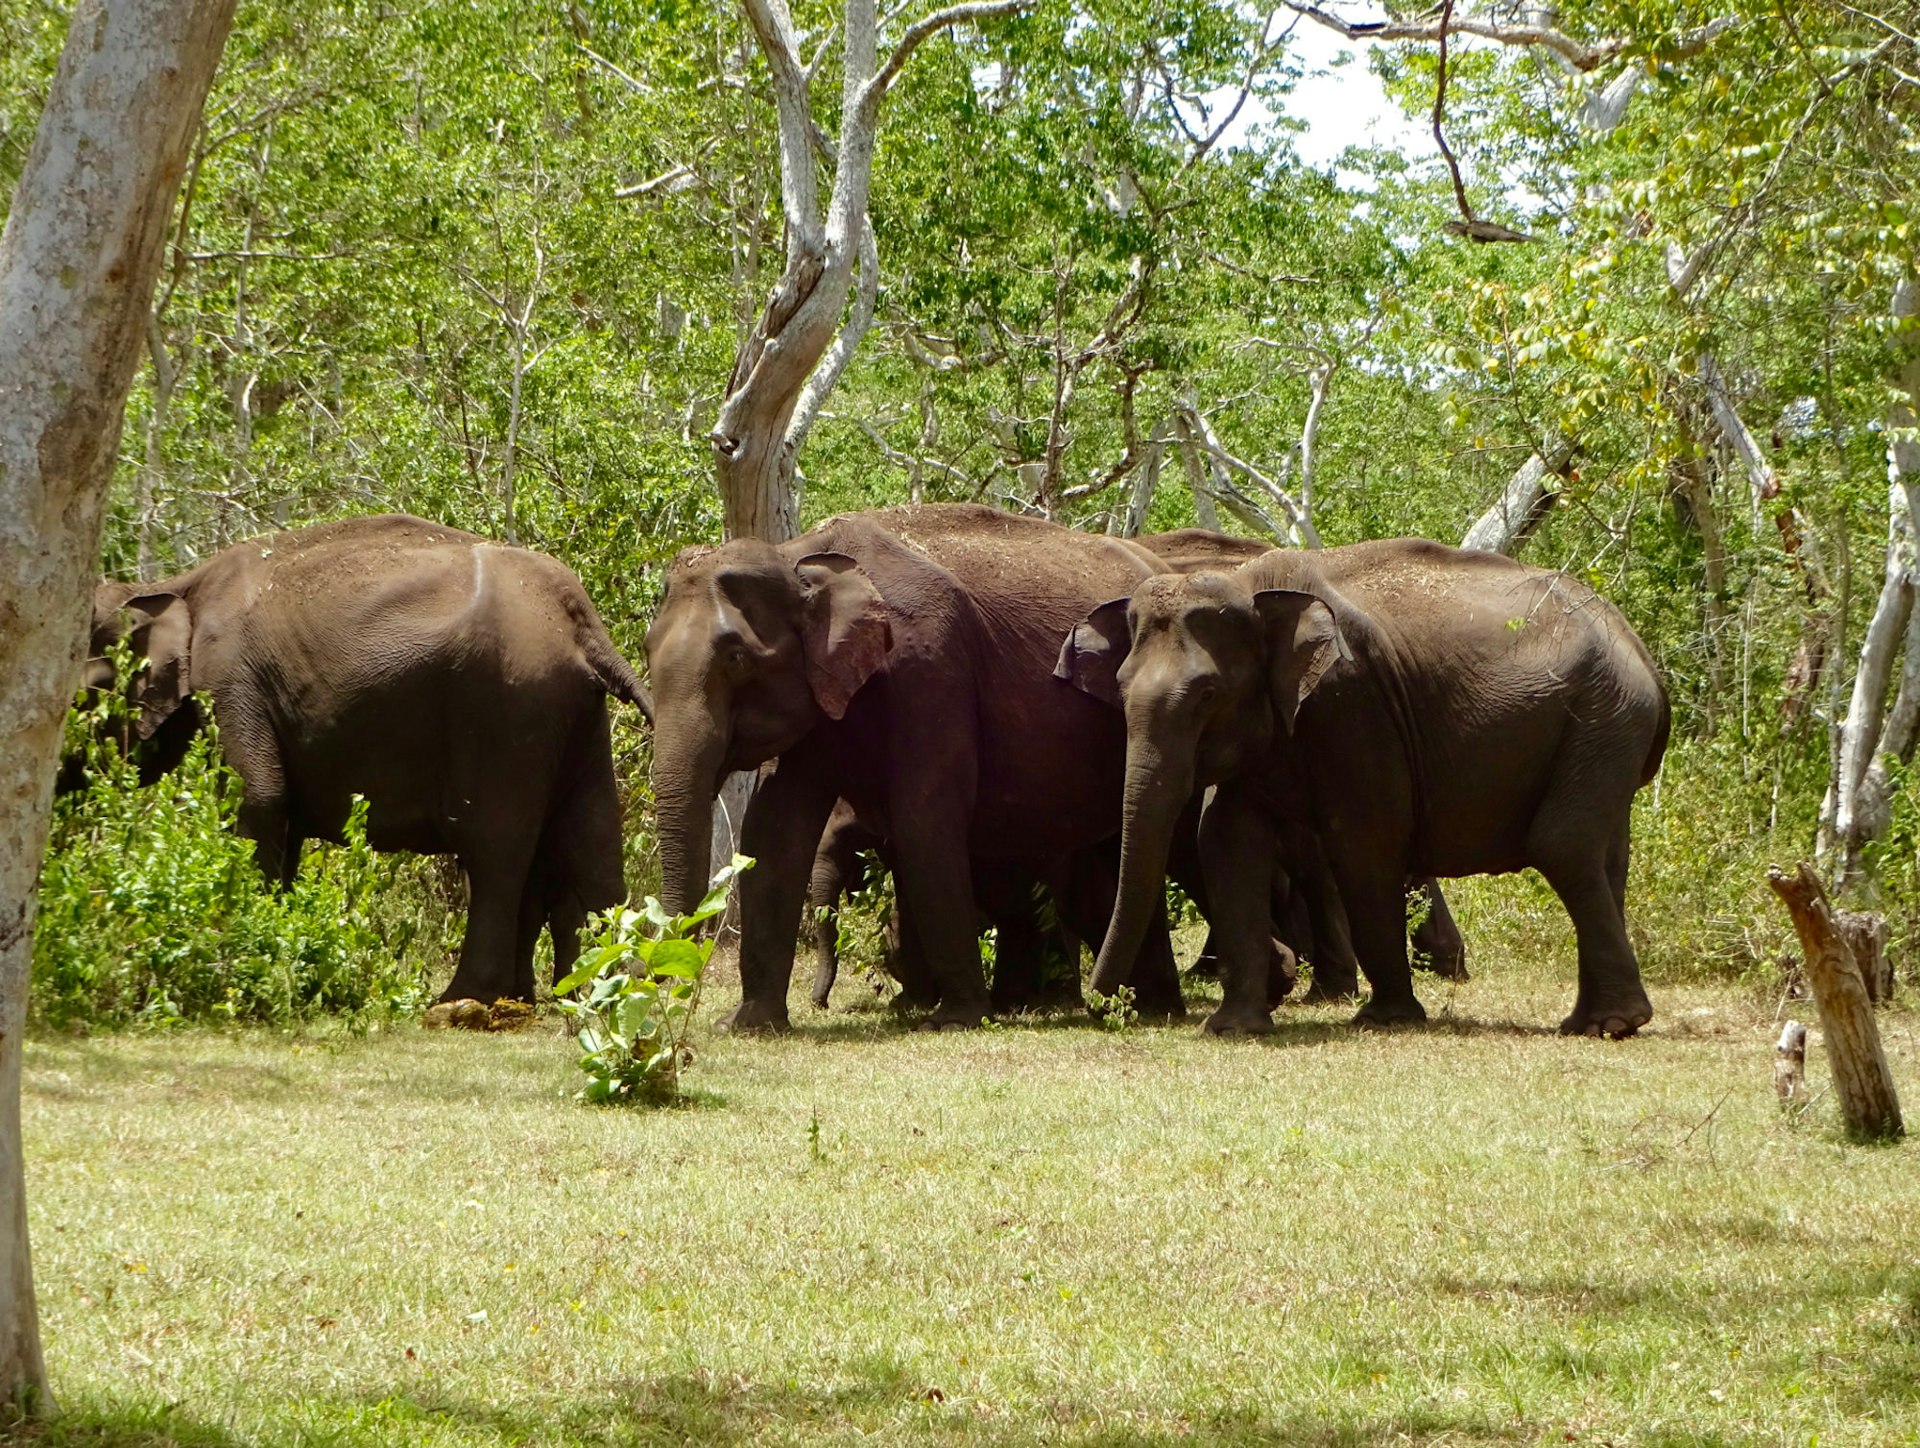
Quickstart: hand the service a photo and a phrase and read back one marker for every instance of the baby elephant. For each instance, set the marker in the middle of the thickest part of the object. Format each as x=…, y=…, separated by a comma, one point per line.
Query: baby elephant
x=459, y=685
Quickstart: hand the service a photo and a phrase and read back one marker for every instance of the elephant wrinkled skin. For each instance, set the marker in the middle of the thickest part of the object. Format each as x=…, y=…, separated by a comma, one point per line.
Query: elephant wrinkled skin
x=1421, y=709
x=459, y=685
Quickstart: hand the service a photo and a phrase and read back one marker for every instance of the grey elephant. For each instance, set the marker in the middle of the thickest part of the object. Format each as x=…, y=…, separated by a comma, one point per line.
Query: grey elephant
x=1309, y=918
x=458, y=685
x=1421, y=709
x=902, y=660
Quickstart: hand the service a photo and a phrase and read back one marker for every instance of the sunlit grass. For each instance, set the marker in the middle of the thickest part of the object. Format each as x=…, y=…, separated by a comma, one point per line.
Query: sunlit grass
x=1473, y=1233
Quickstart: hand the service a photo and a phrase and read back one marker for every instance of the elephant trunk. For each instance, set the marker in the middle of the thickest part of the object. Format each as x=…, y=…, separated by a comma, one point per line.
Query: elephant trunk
x=688, y=749
x=1158, y=784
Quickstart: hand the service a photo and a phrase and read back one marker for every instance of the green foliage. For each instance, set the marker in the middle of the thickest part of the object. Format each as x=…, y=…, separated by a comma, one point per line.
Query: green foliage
x=152, y=911
x=642, y=991
x=1114, y=1012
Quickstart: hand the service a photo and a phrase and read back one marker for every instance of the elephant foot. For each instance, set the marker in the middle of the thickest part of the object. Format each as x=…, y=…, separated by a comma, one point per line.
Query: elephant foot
x=956, y=1018
x=1453, y=968
x=1160, y=1011
x=819, y=999
x=1241, y=1021
x=457, y=990
x=752, y=1017
x=1377, y=1014
x=1616, y=1020
x=1319, y=994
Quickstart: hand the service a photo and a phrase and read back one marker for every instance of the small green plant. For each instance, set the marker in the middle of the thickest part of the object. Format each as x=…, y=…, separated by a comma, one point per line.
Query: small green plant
x=1114, y=1012
x=642, y=970
x=814, y=1148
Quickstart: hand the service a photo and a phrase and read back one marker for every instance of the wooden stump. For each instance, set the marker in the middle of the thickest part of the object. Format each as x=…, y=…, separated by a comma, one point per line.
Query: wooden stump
x=1860, y=1075
x=1866, y=936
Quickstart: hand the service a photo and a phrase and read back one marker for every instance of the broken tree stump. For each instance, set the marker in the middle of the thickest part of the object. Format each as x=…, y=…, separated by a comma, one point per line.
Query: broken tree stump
x=1866, y=936
x=1861, y=1079
x=1790, y=1064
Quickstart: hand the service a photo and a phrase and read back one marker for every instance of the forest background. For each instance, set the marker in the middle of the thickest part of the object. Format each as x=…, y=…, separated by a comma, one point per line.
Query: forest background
x=493, y=264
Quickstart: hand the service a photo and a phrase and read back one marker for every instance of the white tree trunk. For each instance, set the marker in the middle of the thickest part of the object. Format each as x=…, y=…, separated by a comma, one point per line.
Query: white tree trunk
x=1855, y=809
x=784, y=369
x=1522, y=503
x=77, y=266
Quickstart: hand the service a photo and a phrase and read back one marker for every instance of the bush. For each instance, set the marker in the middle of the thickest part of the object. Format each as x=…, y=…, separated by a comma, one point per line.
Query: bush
x=642, y=989
x=152, y=911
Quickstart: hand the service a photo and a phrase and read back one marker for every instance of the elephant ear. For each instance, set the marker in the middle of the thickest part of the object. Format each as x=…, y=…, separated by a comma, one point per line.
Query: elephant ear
x=1091, y=657
x=844, y=628
x=162, y=635
x=1303, y=642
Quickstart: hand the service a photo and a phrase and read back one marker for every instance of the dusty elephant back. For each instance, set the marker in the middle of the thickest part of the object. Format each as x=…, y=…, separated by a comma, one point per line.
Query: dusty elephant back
x=398, y=660
x=1196, y=550
x=1030, y=579
x=1471, y=654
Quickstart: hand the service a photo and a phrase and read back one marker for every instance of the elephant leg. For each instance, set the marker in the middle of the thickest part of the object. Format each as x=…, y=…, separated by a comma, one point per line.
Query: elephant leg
x=781, y=833
x=907, y=963
x=824, y=889
x=1591, y=884
x=580, y=860
x=935, y=884
x=496, y=888
x=1006, y=894
x=1060, y=986
x=1155, y=973
x=1336, y=967
x=1437, y=942
x=1283, y=971
x=526, y=933
x=1375, y=900
x=264, y=816
x=565, y=917
x=1237, y=841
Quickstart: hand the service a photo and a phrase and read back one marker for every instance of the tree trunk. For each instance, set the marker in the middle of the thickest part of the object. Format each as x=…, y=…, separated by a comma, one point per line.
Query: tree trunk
x=1521, y=507
x=1861, y=1079
x=1855, y=808
x=78, y=261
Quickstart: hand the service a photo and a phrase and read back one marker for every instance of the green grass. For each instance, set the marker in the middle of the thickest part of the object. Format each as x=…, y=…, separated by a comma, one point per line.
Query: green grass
x=1048, y=1233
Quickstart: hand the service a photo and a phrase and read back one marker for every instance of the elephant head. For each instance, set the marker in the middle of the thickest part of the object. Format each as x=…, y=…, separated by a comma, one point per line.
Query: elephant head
x=1205, y=668
x=749, y=652
x=157, y=626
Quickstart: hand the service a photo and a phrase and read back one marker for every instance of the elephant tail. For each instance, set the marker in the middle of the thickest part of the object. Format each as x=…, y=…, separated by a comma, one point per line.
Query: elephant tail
x=615, y=674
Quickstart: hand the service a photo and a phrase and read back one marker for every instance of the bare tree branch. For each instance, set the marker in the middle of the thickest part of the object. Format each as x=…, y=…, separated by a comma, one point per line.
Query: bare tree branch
x=924, y=30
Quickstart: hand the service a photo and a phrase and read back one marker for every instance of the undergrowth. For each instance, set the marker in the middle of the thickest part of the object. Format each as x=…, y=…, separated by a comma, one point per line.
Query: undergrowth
x=152, y=911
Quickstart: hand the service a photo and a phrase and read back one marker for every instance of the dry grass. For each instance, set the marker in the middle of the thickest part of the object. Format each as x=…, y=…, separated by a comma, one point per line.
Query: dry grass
x=1045, y=1233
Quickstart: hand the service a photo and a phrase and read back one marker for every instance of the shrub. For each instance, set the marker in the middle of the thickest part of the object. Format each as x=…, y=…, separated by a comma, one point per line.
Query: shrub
x=642, y=990
x=152, y=911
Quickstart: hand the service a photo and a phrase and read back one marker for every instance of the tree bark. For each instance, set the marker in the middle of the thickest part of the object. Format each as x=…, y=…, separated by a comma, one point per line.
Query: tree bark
x=1855, y=809
x=1522, y=505
x=78, y=260
x=1861, y=1079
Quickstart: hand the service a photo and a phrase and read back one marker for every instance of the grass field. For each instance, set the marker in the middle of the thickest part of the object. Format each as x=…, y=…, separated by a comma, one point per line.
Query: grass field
x=1042, y=1233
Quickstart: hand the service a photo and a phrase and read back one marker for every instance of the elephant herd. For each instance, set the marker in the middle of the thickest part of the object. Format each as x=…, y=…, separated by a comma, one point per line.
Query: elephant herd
x=1301, y=739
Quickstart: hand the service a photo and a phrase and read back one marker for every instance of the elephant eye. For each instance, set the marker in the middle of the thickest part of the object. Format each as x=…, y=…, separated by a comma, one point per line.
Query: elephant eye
x=737, y=659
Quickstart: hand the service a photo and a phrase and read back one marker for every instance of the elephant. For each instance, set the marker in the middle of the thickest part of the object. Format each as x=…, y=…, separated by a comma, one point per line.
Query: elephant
x=459, y=685
x=900, y=659
x=1309, y=919
x=1008, y=903
x=1420, y=709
